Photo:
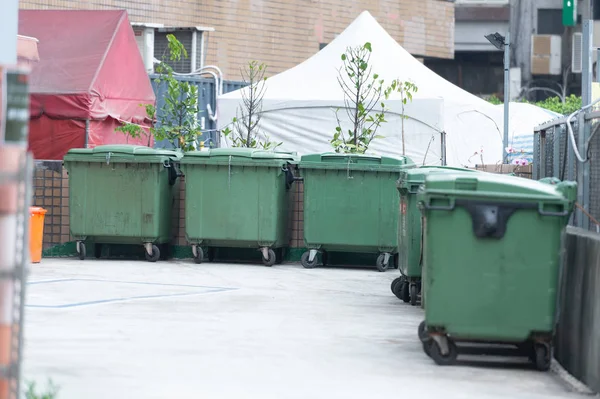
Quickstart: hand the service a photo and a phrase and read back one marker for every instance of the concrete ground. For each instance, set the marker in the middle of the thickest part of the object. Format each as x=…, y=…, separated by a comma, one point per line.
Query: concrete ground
x=132, y=329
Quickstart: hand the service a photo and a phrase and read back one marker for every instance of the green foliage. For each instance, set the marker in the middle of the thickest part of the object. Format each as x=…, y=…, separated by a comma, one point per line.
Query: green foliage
x=177, y=122
x=363, y=98
x=406, y=91
x=49, y=394
x=243, y=130
x=572, y=103
x=495, y=100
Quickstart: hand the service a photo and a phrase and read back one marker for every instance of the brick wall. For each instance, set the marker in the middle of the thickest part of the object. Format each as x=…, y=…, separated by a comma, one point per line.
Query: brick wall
x=51, y=192
x=283, y=33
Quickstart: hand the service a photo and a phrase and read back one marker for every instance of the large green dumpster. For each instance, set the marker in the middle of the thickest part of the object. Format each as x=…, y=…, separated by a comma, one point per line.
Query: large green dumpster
x=238, y=198
x=121, y=194
x=491, y=262
x=351, y=205
x=408, y=286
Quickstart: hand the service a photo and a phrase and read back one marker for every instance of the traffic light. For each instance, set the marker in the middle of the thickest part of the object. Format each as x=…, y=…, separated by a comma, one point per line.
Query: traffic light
x=569, y=16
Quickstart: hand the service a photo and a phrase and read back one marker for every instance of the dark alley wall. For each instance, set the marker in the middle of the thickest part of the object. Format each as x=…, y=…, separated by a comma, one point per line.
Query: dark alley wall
x=578, y=334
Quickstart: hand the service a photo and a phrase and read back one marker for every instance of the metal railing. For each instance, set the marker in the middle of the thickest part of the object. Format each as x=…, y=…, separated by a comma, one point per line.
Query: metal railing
x=569, y=148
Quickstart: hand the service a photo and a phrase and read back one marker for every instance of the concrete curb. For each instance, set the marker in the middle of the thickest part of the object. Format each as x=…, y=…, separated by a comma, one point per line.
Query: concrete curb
x=572, y=383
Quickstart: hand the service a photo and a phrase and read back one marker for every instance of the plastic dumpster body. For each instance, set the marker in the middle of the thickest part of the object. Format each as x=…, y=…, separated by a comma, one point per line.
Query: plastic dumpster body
x=351, y=205
x=491, y=262
x=238, y=198
x=408, y=286
x=121, y=194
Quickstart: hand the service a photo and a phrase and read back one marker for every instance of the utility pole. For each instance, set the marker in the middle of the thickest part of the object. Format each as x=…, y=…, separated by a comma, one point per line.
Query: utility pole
x=584, y=131
x=506, y=94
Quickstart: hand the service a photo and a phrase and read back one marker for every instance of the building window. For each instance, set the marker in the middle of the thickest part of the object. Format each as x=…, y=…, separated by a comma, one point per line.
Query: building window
x=550, y=21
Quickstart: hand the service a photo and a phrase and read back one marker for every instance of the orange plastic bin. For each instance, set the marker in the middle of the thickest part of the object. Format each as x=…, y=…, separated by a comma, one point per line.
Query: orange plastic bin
x=36, y=233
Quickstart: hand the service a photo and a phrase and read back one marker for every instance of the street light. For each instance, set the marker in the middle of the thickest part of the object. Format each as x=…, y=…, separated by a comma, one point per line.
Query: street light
x=503, y=43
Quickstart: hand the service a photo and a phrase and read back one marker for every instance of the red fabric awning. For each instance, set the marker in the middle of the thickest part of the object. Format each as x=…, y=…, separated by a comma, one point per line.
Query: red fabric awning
x=90, y=68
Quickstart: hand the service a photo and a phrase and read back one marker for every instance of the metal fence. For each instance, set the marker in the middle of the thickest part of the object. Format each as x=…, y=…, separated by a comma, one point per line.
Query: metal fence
x=207, y=101
x=554, y=156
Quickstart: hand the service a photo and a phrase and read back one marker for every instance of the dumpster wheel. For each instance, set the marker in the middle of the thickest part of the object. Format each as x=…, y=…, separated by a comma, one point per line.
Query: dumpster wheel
x=381, y=264
x=306, y=263
x=413, y=293
x=155, y=254
x=270, y=261
x=396, y=285
x=422, y=332
x=81, y=250
x=198, y=254
x=405, y=291
x=543, y=356
x=434, y=350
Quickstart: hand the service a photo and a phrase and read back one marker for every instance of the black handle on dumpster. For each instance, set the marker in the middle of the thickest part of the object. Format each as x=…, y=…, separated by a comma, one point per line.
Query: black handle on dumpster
x=174, y=171
x=490, y=218
x=290, y=178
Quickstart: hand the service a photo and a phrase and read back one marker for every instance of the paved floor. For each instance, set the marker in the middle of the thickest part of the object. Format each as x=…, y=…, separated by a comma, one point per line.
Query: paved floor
x=120, y=329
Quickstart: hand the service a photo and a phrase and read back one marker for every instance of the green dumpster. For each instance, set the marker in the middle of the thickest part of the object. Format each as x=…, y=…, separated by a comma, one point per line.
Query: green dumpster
x=491, y=262
x=121, y=194
x=238, y=198
x=408, y=286
x=351, y=205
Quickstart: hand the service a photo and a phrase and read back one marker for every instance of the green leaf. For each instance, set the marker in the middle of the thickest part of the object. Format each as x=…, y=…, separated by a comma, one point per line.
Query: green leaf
x=343, y=57
x=368, y=46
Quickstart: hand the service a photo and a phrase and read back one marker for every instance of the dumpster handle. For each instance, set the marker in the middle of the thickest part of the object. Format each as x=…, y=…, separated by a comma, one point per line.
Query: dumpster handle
x=449, y=207
x=290, y=178
x=542, y=212
x=174, y=171
x=295, y=178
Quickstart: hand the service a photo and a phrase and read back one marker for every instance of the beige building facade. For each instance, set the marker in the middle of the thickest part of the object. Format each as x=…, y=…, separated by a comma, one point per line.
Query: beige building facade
x=282, y=33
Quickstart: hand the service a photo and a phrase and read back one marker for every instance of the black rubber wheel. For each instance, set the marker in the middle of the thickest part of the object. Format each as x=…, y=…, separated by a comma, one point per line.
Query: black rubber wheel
x=404, y=292
x=155, y=254
x=443, y=360
x=305, y=263
x=413, y=294
x=422, y=332
x=97, y=251
x=81, y=253
x=270, y=261
x=393, y=286
x=382, y=267
x=427, y=347
x=199, y=257
x=543, y=357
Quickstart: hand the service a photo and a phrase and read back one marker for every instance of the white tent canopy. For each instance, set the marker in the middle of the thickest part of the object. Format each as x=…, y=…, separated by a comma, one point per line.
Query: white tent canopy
x=299, y=104
x=523, y=119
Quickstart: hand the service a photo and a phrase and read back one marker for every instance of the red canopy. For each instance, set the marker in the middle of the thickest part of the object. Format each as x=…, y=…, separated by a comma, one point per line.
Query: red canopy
x=90, y=69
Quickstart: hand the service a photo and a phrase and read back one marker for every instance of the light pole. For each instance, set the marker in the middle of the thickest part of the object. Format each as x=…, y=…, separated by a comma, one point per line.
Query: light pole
x=503, y=43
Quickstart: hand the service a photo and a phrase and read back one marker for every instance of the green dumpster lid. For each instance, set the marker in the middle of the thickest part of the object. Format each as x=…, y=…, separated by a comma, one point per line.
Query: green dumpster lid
x=483, y=185
x=409, y=178
x=244, y=153
x=124, y=149
x=361, y=159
